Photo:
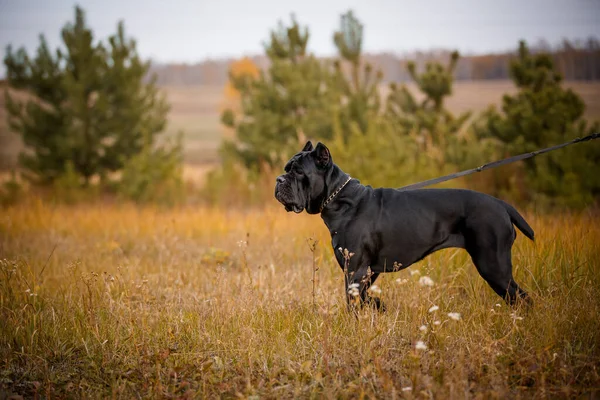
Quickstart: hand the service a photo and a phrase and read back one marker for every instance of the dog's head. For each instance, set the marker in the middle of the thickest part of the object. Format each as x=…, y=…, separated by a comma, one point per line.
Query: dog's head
x=303, y=186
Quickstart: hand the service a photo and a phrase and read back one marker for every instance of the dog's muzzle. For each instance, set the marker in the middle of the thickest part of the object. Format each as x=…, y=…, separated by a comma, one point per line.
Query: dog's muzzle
x=283, y=194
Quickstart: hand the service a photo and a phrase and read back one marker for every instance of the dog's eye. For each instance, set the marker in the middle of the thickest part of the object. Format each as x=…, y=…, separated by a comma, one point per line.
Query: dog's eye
x=298, y=171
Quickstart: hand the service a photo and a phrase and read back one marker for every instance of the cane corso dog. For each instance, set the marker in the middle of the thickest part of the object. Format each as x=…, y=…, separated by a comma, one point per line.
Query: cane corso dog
x=390, y=229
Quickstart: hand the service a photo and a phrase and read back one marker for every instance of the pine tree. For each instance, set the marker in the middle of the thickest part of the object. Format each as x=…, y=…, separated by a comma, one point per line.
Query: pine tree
x=541, y=114
x=93, y=107
x=364, y=141
x=431, y=125
x=281, y=106
x=359, y=88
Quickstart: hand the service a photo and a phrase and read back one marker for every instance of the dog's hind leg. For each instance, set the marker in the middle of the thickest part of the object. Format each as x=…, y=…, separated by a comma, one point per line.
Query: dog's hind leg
x=492, y=258
x=497, y=271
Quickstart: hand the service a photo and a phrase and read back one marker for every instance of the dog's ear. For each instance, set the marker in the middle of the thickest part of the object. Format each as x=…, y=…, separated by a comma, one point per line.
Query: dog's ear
x=322, y=156
x=308, y=146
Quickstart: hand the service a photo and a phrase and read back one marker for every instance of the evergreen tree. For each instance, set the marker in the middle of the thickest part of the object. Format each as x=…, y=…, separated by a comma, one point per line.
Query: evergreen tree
x=364, y=141
x=358, y=93
x=430, y=124
x=93, y=108
x=541, y=114
x=379, y=156
x=283, y=103
x=155, y=174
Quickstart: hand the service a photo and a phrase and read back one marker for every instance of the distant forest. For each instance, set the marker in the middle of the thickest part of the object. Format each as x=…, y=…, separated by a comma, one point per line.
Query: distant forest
x=576, y=60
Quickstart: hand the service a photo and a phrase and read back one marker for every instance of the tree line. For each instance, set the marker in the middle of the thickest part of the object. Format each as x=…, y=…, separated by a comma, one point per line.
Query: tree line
x=94, y=119
x=574, y=60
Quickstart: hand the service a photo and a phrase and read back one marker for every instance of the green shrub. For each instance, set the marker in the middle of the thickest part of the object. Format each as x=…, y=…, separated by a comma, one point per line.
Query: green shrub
x=231, y=184
x=11, y=191
x=154, y=175
x=69, y=187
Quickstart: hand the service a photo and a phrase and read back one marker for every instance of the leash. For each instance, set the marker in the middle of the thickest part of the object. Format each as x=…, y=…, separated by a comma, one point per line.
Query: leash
x=495, y=164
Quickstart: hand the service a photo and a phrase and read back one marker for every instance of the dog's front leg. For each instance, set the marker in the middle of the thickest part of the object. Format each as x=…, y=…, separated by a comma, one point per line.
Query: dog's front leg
x=358, y=277
x=349, y=263
x=358, y=285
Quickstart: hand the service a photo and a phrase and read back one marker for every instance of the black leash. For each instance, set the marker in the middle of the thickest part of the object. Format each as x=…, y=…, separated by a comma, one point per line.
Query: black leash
x=497, y=163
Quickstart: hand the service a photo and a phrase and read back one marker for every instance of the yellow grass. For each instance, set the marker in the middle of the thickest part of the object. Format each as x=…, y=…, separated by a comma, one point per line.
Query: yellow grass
x=117, y=301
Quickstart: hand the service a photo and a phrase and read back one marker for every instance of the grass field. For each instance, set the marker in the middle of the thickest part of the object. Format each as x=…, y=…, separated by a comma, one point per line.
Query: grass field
x=110, y=300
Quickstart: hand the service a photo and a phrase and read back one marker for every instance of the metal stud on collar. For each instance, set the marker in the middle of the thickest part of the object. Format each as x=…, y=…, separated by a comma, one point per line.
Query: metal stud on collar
x=334, y=194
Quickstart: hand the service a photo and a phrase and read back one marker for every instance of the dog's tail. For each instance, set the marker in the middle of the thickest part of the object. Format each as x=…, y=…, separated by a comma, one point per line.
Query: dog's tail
x=518, y=220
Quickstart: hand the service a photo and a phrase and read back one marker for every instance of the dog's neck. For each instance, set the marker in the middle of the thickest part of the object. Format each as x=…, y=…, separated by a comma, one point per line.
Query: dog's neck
x=336, y=178
x=335, y=193
x=346, y=198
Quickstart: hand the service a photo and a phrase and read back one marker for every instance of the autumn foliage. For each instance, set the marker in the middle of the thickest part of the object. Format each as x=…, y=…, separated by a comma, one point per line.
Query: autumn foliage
x=243, y=67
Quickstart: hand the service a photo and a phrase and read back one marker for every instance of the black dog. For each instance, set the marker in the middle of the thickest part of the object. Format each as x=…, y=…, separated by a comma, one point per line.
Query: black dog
x=390, y=229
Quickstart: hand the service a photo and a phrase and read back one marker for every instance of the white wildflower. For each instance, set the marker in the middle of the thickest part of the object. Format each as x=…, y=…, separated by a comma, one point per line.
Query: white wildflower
x=454, y=315
x=353, y=289
x=425, y=281
x=437, y=322
x=407, y=389
x=515, y=317
x=498, y=305
x=423, y=328
x=415, y=272
x=433, y=308
x=401, y=281
x=374, y=289
x=420, y=345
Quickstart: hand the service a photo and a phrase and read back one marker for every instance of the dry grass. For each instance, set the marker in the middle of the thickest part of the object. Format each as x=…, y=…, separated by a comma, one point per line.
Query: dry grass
x=113, y=300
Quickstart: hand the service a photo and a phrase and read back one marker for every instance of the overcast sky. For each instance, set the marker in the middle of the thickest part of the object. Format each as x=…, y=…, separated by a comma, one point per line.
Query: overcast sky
x=192, y=30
